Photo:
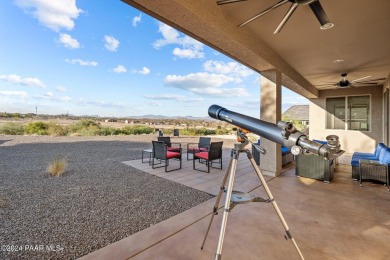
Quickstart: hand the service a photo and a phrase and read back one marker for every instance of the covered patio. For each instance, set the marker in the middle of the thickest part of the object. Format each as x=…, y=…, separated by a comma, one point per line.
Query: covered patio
x=306, y=57
x=329, y=221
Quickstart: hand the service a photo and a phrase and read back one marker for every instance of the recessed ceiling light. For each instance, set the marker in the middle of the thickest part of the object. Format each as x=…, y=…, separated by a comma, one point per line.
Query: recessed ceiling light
x=338, y=61
x=326, y=26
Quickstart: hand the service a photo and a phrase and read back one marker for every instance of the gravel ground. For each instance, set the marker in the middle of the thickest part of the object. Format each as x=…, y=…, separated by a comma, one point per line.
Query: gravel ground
x=97, y=201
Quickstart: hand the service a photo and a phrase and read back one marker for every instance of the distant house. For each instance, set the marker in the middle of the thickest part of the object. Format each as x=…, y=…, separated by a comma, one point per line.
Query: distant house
x=299, y=113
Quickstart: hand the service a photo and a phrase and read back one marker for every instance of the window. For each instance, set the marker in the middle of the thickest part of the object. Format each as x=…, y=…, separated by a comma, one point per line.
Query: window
x=336, y=113
x=349, y=113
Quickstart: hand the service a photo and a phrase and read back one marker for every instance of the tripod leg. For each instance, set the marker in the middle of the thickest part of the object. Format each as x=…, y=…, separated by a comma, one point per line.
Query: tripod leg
x=233, y=167
x=215, y=209
x=271, y=198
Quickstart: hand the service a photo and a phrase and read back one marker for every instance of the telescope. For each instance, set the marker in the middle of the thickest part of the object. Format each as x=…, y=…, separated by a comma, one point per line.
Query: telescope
x=282, y=133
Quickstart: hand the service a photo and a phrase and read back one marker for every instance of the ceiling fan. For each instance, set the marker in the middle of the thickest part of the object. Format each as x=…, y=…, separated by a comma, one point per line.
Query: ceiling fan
x=345, y=83
x=313, y=4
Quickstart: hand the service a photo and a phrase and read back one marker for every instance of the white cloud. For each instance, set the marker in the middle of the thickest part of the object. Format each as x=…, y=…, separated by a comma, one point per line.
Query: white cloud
x=170, y=36
x=198, y=80
x=144, y=71
x=136, y=20
x=231, y=68
x=82, y=62
x=119, y=69
x=248, y=104
x=68, y=41
x=221, y=92
x=188, y=53
x=175, y=97
x=48, y=94
x=80, y=101
x=65, y=99
x=190, y=48
x=155, y=104
x=28, y=82
x=61, y=89
x=166, y=97
x=19, y=94
x=52, y=14
x=207, y=84
x=111, y=43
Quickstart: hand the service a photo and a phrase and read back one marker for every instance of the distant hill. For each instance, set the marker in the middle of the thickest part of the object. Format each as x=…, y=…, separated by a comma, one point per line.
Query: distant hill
x=170, y=117
x=71, y=116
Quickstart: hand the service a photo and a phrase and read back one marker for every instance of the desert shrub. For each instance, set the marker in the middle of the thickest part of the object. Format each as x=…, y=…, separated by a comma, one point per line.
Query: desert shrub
x=57, y=167
x=197, y=131
x=84, y=124
x=56, y=130
x=137, y=130
x=222, y=131
x=90, y=131
x=109, y=131
x=167, y=131
x=12, y=129
x=40, y=128
x=86, y=127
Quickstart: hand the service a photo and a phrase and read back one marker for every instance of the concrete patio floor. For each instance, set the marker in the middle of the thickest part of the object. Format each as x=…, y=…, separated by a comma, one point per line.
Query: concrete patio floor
x=328, y=221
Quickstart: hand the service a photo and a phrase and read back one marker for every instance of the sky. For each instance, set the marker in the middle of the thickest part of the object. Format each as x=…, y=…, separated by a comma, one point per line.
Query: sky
x=106, y=58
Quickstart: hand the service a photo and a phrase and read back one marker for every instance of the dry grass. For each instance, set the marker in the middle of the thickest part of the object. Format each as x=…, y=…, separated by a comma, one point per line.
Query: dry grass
x=3, y=203
x=57, y=167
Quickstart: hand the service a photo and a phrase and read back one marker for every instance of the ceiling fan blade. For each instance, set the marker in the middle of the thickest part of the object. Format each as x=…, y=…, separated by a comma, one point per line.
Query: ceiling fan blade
x=365, y=83
x=360, y=78
x=319, y=12
x=286, y=17
x=263, y=12
x=222, y=2
x=371, y=80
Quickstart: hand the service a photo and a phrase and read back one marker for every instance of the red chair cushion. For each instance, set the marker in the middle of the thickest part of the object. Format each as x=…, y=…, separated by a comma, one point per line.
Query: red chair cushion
x=173, y=155
x=202, y=155
x=173, y=149
x=197, y=149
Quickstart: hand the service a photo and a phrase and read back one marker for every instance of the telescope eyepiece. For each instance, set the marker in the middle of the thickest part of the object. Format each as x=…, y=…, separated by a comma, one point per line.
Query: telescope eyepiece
x=285, y=125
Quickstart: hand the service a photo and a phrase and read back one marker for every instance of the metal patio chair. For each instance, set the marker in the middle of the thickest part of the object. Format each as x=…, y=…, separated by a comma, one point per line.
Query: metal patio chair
x=210, y=156
x=170, y=146
x=163, y=155
x=203, y=145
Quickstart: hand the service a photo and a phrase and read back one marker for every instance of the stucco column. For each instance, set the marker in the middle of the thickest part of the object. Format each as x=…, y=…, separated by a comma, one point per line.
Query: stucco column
x=270, y=111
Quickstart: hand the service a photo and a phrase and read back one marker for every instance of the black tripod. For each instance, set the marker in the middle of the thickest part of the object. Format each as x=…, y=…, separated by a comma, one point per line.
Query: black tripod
x=236, y=197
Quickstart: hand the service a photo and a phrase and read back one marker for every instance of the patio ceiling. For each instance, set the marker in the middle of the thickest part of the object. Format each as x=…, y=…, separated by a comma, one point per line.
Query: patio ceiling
x=303, y=52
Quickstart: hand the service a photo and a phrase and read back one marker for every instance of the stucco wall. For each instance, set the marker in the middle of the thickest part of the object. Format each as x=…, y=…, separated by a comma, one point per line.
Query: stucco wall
x=350, y=141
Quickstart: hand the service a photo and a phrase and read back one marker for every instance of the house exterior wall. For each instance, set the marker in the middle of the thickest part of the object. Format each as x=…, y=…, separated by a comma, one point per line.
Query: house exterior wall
x=350, y=141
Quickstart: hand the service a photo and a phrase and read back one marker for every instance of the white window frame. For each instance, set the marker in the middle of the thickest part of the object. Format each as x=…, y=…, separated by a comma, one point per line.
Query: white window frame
x=347, y=116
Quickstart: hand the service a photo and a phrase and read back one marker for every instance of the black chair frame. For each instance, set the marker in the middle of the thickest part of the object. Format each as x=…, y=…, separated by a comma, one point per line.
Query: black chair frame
x=214, y=153
x=204, y=142
x=160, y=153
x=168, y=143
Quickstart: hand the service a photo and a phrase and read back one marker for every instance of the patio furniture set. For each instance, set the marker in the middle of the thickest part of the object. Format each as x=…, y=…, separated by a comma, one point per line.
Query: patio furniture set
x=365, y=166
x=204, y=152
x=372, y=166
